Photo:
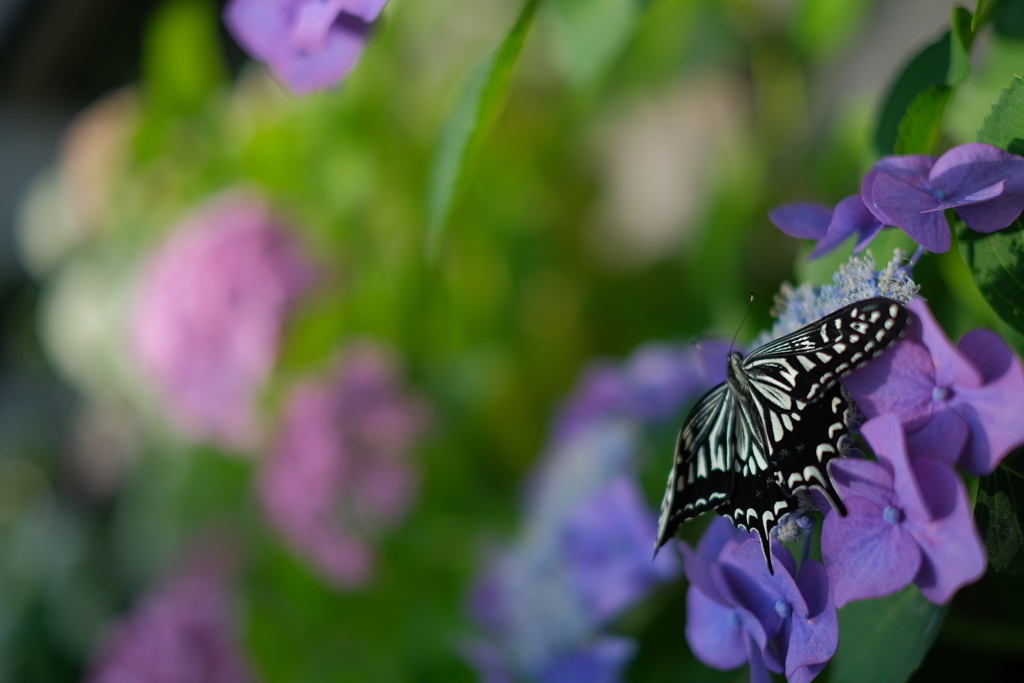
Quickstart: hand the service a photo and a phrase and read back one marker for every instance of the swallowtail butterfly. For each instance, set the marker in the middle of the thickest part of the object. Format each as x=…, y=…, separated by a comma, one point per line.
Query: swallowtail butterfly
x=769, y=431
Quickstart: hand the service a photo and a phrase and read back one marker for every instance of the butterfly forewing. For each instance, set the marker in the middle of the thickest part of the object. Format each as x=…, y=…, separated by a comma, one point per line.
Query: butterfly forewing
x=769, y=432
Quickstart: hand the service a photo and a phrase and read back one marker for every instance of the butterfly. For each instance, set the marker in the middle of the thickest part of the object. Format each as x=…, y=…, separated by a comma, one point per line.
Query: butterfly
x=760, y=440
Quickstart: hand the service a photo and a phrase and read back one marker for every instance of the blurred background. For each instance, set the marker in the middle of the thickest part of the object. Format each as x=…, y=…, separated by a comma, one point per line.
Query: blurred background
x=232, y=379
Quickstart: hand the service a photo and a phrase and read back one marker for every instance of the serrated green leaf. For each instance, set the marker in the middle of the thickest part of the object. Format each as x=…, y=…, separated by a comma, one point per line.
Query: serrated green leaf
x=999, y=513
x=930, y=67
x=997, y=262
x=922, y=124
x=962, y=38
x=885, y=640
x=468, y=125
x=1004, y=125
x=183, y=62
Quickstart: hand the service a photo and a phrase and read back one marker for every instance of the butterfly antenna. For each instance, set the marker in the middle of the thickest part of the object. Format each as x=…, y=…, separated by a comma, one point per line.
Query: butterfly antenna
x=745, y=314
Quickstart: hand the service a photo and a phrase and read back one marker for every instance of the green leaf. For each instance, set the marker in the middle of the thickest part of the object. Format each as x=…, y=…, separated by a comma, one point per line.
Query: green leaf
x=885, y=640
x=997, y=262
x=999, y=513
x=824, y=27
x=182, y=62
x=587, y=35
x=468, y=125
x=921, y=126
x=1004, y=125
x=1008, y=17
x=945, y=62
x=962, y=38
x=930, y=67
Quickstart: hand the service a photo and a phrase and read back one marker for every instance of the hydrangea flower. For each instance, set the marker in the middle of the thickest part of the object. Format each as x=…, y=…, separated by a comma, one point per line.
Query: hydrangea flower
x=209, y=315
x=650, y=386
x=308, y=44
x=184, y=632
x=983, y=183
x=829, y=228
x=856, y=280
x=340, y=474
x=960, y=404
x=908, y=521
x=582, y=557
x=737, y=611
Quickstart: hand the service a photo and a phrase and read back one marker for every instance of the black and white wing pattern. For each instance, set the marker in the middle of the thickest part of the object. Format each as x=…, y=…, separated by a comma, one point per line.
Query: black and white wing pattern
x=769, y=431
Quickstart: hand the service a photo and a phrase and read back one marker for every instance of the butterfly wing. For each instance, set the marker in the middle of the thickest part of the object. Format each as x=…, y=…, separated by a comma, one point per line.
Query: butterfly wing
x=800, y=367
x=761, y=497
x=702, y=472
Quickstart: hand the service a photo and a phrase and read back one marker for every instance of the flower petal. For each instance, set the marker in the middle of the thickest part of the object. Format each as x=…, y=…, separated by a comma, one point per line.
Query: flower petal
x=992, y=410
x=952, y=369
x=953, y=554
x=714, y=631
x=603, y=661
x=806, y=220
x=866, y=556
x=849, y=217
x=900, y=381
x=815, y=634
x=912, y=210
x=943, y=437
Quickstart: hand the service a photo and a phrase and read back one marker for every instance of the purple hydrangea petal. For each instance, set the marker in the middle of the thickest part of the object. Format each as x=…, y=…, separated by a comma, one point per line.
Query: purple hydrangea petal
x=913, y=170
x=758, y=668
x=992, y=410
x=815, y=632
x=885, y=435
x=850, y=217
x=606, y=540
x=660, y=379
x=912, y=209
x=805, y=220
x=942, y=438
x=743, y=578
x=951, y=367
x=967, y=168
x=603, y=661
x=487, y=660
x=715, y=632
x=900, y=381
x=865, y=479
x=867, y=556
x=992, y=215
x=805, y=674
x=953, y=553
x=698, y=563
x=307, y=44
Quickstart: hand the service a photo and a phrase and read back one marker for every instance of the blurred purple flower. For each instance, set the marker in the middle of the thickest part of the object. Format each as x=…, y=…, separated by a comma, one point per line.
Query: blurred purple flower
x=983, y=183
x=957, y=404
x=308, y=44
x=184, y=632
x=652, y=385
x=582, y=558
x=907, y=522
x=340, y=474
x=208, y=319
x=809, y=220
x=737, y=611
x=607, y=540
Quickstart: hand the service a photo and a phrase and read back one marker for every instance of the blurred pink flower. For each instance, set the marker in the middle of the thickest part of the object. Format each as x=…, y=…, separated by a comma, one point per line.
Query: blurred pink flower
x=210, y=312
x=184, y=632
x=340, y=474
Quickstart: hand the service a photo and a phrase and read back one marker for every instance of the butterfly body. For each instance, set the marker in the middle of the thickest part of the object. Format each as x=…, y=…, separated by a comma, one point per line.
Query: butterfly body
x=755, y=443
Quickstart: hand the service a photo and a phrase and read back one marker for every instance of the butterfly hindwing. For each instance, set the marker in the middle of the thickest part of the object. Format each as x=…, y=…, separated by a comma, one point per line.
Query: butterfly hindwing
x=755, y=441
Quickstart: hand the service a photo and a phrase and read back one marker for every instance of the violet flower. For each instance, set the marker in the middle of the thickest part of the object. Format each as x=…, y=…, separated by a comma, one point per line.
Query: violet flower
x=581, y=559
x=959, y=404
x=308, y=44
x=908, y=521
x=208, y=319
x=983, y=183
x=340, y=474
x=184, y=632
x=737, y=611
x=651, y=386
x=809, y=220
